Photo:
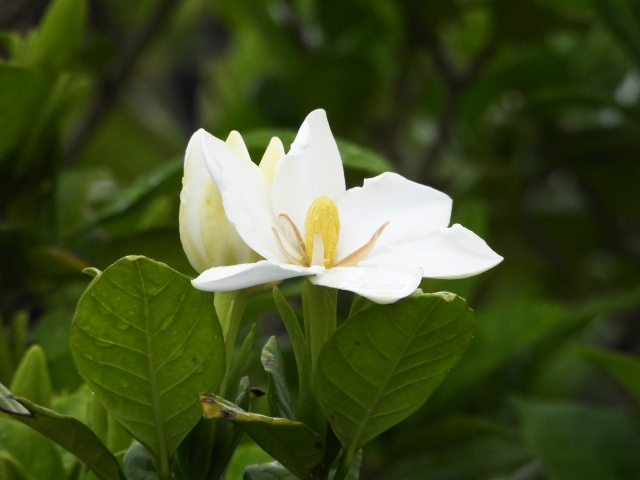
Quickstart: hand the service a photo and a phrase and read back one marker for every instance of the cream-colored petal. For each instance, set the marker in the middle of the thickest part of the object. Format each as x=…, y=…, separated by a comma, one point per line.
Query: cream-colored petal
x=412, y=210
x=310, y=170
x=381, y=285
x=272, y=155
x=207, y=236
x=245, y=193
x=236, y=277
x=454, y=252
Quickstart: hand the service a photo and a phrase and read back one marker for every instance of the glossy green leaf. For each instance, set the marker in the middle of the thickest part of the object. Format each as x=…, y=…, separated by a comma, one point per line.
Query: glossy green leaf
x=32, y=380
x=138, y=464
x=384, y=362
x=625, y=368
x=8, y=404
x=268, y=471
x=273, y=363
x=353, y=156
x=575, y=442
x=36, y=455
x=147, y=343
x=293, y=444
x=72, y=435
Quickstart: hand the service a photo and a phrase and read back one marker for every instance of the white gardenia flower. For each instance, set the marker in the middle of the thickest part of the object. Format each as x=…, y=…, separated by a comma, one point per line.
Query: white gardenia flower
x=377, y=240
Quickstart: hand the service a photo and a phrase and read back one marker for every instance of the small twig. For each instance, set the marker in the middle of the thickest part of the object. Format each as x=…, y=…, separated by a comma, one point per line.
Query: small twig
x=110, y=86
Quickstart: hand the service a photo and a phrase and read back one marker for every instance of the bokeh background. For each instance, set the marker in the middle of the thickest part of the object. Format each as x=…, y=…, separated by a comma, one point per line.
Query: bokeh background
x=527, y=113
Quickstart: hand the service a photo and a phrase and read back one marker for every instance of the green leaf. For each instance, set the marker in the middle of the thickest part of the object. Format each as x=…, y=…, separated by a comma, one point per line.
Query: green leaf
x=239, y=364
x=384, y=362
x=36, y=455
x=625, y=368
x=147, y=342
x=268, y=471
x=9, y=405
x=208, y=448
x=32, y=379
x=575, y=442
x=273, y=363
x=21, y=92
x=353, y=156
x=308, y=409
x=60, y=36
x=10, y=469
x=622, y=20
x=293, y=444
x=72, y=435
x=248, y=453
x=138, y=464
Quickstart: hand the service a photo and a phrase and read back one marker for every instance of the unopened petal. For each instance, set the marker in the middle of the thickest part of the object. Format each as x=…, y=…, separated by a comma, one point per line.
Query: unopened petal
x=236, y=277
x=381, y=285
x=245, y=193
x=207, y=236
x=310, y=170
x=271, y=157
x=412, y=210
x=454, y=252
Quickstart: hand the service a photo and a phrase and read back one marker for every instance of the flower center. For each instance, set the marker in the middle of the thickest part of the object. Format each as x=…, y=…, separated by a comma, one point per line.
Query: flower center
x=322, y=232
x=322, y=222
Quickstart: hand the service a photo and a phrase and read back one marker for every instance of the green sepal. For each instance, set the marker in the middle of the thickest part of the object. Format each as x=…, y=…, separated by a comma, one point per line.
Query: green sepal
x=293, y=444
x=273, y=363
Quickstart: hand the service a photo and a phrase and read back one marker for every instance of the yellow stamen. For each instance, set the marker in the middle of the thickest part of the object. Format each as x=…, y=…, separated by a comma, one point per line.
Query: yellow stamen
x=322, y=218
x=363, y=251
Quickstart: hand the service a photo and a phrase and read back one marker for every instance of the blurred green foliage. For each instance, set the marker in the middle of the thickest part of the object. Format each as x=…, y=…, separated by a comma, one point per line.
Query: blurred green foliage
x=526, y=113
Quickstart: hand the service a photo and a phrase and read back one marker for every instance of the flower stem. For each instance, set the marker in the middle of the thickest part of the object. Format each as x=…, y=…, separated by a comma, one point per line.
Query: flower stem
x=319, y=306
x=230, y=307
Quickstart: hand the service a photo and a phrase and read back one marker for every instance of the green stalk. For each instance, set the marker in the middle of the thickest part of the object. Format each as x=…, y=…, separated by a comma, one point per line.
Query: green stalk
x=230, y=307
x=345, y=465
x=319, y=306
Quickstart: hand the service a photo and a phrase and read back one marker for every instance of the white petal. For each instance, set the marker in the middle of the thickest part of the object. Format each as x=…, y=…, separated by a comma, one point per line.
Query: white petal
x=450, y=253
x=207, y=236
x=245, y=193
x=382, y=285
x=412, y=210
x=236, y=277
x=311, y=169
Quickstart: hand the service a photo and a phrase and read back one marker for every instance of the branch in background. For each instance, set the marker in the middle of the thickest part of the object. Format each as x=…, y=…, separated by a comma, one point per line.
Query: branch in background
x=457, y=83
x=109, y=88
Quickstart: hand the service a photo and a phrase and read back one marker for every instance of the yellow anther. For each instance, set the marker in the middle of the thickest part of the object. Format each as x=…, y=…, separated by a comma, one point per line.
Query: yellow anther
x=323, y=218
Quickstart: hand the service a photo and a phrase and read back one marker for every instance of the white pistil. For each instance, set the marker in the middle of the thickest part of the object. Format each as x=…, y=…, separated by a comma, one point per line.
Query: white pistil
x=318, y=250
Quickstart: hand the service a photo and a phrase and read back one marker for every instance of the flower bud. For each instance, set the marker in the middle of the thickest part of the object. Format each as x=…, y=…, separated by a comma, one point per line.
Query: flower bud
x=208, y=238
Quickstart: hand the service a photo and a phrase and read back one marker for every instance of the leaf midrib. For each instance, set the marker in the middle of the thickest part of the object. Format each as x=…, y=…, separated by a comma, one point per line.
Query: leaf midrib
x=155, y=397
x=369, y=412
